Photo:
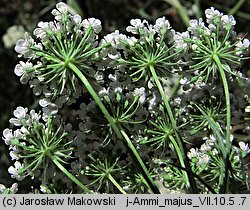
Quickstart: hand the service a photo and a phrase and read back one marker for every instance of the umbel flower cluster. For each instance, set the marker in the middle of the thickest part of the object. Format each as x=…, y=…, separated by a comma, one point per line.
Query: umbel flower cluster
x=156, y=111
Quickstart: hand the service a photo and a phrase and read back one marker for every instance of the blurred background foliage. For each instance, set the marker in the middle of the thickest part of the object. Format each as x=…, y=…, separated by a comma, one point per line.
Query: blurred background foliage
x=17, y=16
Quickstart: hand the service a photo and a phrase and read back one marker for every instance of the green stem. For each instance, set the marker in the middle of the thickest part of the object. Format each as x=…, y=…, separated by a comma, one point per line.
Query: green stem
x=164, y=98
x=182, y=12
x=121, y=135
x=227, y=97
x=144, y=170
x=68, y=174
x=236, y=7
x=181, y=150
x=179, y=154
x=116, y=184
x=228, y=121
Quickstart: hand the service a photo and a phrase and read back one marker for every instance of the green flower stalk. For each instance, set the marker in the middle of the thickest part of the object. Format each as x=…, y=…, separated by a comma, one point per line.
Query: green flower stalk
x=207, y=163
x=63, y=55
x=57, y=44
x=103, y=173
x=152, y=56
x=38, y=144
x=215, y=51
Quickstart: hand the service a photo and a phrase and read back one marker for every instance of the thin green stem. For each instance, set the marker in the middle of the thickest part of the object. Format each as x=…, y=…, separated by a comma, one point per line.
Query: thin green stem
x=225, y=187
x=68, y=174
x=236, y=7
x=180, y=156
x=164, y=98
x=181, y=149
x=144, y=170
x=110, y=177
x=227, y=97
x=120, y=133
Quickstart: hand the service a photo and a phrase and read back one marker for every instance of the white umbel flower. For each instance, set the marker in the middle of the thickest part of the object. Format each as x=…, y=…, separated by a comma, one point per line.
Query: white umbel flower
x=243, y=146
x=61, y=9
x=141, y=93
x=161, y=24
x=212, y=14
x=7, y=136
x=22, y=46
x=94, y=23
x=20, y=113
x=21, y=71
x=14, y=171
x=228, y=20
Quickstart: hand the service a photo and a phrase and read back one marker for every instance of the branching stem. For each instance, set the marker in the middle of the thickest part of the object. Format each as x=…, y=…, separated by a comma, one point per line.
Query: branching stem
x=68, y=174
x=117, y=129
x=228, y=121
x=178, y=144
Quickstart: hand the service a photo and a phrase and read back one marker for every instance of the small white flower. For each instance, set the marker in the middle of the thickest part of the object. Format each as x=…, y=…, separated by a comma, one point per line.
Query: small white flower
x=8, y=136
x=118, y=90
x=197, y=27
x=34, y=116
x=212, y=27
x=14, y=188
x=183, y=81
x=137, y=26
x=231, y=137
x=177, y=101
x=14, y=154
x=41, y=32
x=247, y=109
x=211, y=140
x=14, y=171
x=103, y=92
x=141, y=93
x=21, y=71
x=20, y=113
x=94, y=23
x=77, y=19
x=212, y=14
x=62, y=7
x=117, y=41
x=242, y=46
x=161, y=23
x=215, y=152
x=243, y=146
x=2, y=188
x=61, y=10
x=204, y=148
x=37, y=87
x=44, y=102
x=194, y=46
x=180, y=40
x=152, y=101
x=203, y=159
x=22, y=46
x=192, y=153
x=228, y=20
x=113, y=77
